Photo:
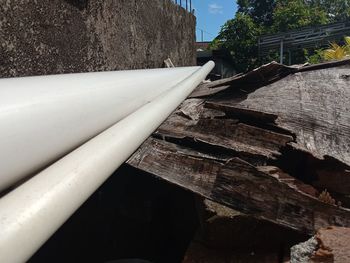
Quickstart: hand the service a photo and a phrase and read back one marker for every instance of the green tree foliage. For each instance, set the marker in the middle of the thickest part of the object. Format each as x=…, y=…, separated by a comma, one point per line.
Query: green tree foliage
x=260, y=10
x=215, y=44
x=314, y=57
x=240, y=36
x=295, y=14
x=256, y=17
x=336, y=10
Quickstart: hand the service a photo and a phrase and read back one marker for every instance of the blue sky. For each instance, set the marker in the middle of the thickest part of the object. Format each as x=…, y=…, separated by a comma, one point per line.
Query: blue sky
x=211, y=15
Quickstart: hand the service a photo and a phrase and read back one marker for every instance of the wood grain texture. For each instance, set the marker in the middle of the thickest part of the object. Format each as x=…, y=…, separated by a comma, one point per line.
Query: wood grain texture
x=267, y=145
x=239, y=185
x=226, y=133
x=314, y=105
x=261, y=76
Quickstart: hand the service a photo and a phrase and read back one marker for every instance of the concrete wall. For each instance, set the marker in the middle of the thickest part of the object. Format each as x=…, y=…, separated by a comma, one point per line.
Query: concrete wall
x=62, y=36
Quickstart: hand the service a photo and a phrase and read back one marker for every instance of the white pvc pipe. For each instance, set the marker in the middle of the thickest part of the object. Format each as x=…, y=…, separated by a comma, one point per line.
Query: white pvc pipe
x=42, y=118
x=31, y=213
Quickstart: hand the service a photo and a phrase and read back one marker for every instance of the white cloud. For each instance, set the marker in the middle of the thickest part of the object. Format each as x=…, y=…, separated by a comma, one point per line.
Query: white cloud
x=215, y=9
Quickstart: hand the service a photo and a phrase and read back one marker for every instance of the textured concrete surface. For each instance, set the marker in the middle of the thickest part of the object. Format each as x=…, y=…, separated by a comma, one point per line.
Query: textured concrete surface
x=63, y=36
x=303, y=252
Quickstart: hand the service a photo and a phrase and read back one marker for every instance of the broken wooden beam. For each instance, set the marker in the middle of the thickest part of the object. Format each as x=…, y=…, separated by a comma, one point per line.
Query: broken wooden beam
x=239, y=185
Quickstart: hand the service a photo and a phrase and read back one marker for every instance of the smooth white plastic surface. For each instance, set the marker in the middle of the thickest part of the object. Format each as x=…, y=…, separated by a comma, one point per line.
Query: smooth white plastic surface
x=31, y=213
x=42, y=118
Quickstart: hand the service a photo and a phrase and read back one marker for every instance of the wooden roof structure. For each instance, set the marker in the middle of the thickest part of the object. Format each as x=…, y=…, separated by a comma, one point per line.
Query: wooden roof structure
x=267, y=143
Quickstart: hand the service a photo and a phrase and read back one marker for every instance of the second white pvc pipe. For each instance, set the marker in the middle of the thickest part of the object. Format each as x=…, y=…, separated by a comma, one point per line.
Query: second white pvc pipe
x=31, y=213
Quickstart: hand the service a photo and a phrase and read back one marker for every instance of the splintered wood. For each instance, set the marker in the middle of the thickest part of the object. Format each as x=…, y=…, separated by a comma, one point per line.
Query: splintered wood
x=266, y=143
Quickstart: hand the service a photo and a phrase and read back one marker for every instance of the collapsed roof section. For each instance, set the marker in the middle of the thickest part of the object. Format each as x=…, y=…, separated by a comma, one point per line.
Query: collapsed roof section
x=273, y=143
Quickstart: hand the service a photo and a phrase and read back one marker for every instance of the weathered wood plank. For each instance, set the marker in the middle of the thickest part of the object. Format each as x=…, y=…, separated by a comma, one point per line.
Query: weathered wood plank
x=261, y=76
x=239, y=185
x=230, y=134
x=314, y=105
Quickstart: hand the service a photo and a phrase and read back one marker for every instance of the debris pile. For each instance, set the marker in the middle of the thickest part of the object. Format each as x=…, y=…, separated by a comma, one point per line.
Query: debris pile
x=272, y=144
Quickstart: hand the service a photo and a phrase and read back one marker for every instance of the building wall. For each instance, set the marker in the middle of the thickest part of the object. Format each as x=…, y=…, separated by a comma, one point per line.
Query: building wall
x=62, y=36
